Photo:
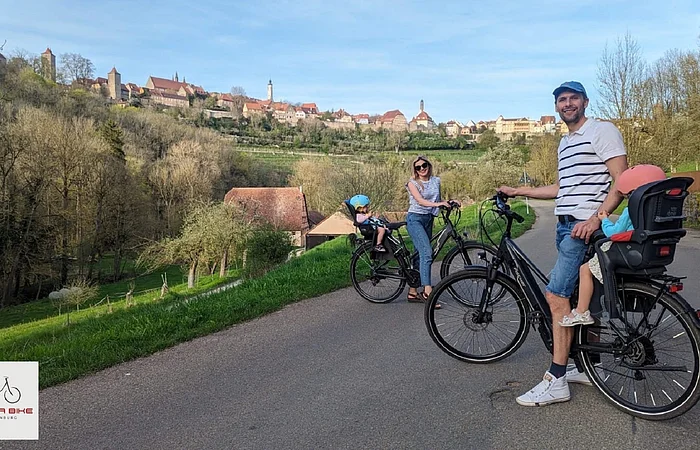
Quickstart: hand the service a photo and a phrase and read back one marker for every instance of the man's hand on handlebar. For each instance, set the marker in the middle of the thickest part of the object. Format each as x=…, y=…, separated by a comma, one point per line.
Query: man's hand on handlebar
x=507, y=190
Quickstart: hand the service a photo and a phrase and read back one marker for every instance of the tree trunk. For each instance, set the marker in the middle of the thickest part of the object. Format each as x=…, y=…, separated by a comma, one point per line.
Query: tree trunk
x=191, y=274
x=64, y=237
x=224, y=264
x=117, y=267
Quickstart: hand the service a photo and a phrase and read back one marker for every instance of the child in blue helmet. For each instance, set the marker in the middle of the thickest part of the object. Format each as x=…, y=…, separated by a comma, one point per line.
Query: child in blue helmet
x=363, y=216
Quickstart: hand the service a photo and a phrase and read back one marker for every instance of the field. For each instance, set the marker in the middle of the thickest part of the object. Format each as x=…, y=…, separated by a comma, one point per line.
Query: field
x=283, y=160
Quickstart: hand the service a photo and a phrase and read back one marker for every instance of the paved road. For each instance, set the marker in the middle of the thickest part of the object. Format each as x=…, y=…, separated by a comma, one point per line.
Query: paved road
x=338, y=372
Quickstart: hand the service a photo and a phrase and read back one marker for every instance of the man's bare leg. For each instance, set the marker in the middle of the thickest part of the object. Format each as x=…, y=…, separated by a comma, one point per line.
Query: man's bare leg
x=561, y=336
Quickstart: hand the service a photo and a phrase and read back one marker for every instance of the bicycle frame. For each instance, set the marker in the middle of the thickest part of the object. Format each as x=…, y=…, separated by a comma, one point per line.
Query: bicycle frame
x=526, y=275
x=406, y=259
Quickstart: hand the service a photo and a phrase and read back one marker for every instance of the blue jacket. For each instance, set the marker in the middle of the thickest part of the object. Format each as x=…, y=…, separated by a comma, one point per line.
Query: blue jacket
x=624, y=223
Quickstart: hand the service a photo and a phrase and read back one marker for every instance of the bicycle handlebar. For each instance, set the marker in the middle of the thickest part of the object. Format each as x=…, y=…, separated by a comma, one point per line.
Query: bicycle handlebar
x=501, y=201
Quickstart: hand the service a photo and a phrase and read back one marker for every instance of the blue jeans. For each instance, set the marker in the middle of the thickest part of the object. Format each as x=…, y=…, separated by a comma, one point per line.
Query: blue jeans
x=571, y=251
x=420, y=228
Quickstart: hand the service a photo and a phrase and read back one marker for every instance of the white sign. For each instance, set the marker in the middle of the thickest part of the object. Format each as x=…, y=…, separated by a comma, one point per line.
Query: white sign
x=19, y=400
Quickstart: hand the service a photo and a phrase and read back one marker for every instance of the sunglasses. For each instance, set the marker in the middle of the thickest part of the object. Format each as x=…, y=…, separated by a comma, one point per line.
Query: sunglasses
x=425, y=165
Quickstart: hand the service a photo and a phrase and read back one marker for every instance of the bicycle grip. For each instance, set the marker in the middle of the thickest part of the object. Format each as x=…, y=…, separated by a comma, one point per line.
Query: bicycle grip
x=518, y=218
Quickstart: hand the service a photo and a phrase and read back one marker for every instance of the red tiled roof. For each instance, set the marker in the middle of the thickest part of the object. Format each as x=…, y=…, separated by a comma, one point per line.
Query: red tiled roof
x=309, y=105
x=360, y=116
x=423, y=116
x=280, y=106
x=48, y=50
x=253, y=106
x=227, y=97
x=163, y=83
x=389, y=116
x=133, y=87
x=548, y=119
x=101, y=80
x=284, y=208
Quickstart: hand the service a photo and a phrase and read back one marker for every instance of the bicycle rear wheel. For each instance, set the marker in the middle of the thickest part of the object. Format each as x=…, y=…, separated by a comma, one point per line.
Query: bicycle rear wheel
x=376, y=280
x=458, y=330
x=649, y=362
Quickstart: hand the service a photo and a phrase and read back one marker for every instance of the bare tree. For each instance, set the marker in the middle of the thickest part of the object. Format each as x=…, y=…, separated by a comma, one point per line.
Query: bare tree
x=623, y=87
x=621, y=74
x=75, y=67
x=239, y=98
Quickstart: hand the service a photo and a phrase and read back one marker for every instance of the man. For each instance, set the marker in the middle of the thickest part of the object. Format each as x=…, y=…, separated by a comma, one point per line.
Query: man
x=590, y=157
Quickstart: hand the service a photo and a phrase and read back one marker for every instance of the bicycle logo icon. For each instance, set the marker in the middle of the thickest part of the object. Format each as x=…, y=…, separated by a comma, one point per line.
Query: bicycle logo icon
x=10, y=393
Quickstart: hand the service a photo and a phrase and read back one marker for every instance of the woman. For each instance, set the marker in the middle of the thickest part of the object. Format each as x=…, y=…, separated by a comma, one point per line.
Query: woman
x=424, y=197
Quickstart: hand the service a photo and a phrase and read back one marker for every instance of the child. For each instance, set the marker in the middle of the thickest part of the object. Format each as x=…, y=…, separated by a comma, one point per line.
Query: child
x=628, y=181
x=363, y=216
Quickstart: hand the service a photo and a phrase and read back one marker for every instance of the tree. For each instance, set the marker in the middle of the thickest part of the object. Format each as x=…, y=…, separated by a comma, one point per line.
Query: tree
x=239, y=98
x=543, y=164
x=488, y=139
x=76, y=68
x=210, y=102
x=622, y=90
x=209, y=233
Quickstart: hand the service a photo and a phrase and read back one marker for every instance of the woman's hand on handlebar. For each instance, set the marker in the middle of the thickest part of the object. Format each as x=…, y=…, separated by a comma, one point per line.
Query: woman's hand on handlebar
x=444, y=205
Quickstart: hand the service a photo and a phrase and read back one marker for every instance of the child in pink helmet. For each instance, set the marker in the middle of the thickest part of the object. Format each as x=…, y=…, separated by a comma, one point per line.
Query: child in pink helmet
x=628, y=181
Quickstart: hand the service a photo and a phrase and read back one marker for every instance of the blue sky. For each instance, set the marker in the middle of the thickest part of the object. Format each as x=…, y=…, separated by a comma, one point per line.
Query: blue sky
x=466, y=59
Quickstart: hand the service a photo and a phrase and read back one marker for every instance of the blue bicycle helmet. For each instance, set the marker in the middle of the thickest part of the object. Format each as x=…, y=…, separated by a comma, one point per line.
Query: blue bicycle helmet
x=359, y=200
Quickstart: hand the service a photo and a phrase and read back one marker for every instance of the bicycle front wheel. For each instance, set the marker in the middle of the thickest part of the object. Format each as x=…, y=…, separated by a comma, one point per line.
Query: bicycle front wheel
x=460, y=331
x=471, y=254
x=376, y=280
x=648, y=362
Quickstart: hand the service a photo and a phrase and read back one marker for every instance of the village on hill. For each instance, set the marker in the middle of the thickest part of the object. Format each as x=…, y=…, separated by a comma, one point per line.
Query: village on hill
x=175, y=93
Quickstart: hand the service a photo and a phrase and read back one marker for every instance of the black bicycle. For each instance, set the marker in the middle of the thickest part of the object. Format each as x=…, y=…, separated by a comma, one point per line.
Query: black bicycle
x=381, y=277
x=642, y=352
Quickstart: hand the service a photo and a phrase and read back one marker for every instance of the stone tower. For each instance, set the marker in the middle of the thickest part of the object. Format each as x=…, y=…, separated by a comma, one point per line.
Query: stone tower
x=114, y=84
x=269, y=90
x=421, y=105
x=48, y=65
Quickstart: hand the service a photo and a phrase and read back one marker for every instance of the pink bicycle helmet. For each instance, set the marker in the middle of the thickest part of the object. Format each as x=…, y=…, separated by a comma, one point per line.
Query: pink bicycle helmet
x=636, y=176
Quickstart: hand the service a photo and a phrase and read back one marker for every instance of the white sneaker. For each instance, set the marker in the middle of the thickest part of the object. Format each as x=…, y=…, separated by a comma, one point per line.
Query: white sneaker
x=574, y=376
x=550, y=390
x=576, y=318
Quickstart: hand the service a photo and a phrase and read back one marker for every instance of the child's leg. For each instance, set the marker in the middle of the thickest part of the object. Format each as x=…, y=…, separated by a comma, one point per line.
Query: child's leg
x=585, y=288
x=380, y=235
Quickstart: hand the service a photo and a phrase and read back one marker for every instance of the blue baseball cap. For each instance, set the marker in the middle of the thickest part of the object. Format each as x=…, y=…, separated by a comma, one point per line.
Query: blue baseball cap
x=570, y=86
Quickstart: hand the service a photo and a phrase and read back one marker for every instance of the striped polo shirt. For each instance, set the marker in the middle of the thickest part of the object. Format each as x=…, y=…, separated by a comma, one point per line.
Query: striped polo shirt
x=584, y=179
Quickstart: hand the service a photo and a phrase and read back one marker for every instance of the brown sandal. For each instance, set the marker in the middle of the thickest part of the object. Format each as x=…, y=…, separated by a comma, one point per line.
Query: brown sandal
x=419, y=297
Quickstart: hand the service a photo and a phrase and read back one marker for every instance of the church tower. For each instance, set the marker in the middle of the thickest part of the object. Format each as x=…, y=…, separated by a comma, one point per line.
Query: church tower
x=421, y=105
x=114, y=84
x=269, y=91
x=48, y=65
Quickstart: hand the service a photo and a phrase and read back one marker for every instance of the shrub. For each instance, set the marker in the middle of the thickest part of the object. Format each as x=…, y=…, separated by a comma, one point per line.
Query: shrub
x=266, y=248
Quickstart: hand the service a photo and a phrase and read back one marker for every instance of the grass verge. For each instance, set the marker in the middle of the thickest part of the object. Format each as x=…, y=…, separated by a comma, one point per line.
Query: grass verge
x=103, y=338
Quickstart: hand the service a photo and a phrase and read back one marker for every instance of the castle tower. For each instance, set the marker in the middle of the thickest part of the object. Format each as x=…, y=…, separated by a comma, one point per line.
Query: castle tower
x=269, y=90
x=48, y=65
x=114, y=84
x=421, y=105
